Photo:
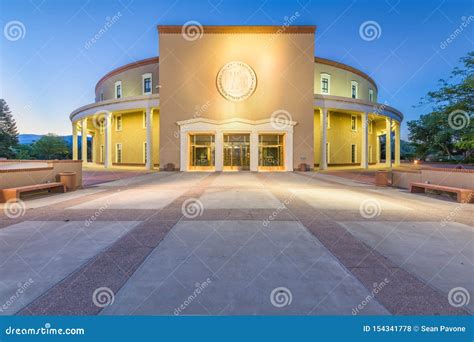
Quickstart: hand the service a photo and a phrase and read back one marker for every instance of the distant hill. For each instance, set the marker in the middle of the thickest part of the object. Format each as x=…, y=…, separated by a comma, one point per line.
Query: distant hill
x=31, y=138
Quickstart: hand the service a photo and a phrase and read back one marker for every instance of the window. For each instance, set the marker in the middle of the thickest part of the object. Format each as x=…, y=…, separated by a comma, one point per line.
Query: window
x=101, y=126
x=118, y=89
x=371, y=124
x=144, y=119
x=327, y=153
x=101, y=153
x=370, y=154
x=202, y=150
x=144, y=152
x=325, y=83
x=101, y=96
x=353, y=123
x=118, y=123
x=118, y=153
x=354, y=89
x=353, y=153
x=328, y=120
x=270, y=150
x=147, y=83
x=371, y=95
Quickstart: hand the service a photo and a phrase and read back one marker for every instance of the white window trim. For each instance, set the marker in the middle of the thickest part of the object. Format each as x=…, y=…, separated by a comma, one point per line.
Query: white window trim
x=116, y=123
x=328, y=153
x=116, y=152
x=371, y=94
x=118, y=83
x=355, y=153
x=144, y=152
x=355, y=123
x=150, y=76
x=356, y=84
x=325, y=75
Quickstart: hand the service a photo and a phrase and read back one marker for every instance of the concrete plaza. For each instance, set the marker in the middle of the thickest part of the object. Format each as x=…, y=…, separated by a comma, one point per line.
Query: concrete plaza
x=172, y=243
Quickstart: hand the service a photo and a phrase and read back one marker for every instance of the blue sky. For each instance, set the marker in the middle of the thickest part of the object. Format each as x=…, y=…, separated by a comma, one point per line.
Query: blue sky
x=48, y=72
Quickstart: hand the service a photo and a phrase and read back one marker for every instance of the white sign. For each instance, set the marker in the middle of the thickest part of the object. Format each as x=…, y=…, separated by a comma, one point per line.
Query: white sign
x=236, y=81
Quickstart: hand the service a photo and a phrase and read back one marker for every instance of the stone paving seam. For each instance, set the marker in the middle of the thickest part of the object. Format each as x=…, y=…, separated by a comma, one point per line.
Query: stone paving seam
x=111, y=268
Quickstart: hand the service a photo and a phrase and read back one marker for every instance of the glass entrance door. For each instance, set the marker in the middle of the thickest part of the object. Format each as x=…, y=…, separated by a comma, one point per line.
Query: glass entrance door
x=236, y=151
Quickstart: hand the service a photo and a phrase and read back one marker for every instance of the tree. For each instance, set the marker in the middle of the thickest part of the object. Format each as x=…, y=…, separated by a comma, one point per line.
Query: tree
x=449, y=129
x=8, y=131
x=50, y=146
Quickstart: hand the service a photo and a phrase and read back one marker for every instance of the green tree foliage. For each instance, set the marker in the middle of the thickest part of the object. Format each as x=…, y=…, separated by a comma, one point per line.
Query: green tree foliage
x=50, y=146
x=449, y=129
x=8, y=131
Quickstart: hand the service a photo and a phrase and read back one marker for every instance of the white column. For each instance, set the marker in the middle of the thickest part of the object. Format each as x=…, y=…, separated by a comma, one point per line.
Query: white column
x=84, y=140
x=108, y=140
x=254, y=151
x=323, y=122
x=397, y=144
x=149, y=139
x=388, y=145
x=219, y=151
x=183, y=150
x=364, y=159
x=74, y=141
x=289, y=151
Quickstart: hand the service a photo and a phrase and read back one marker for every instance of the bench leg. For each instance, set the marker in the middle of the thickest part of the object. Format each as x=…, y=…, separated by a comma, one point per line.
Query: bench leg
x=465, y=197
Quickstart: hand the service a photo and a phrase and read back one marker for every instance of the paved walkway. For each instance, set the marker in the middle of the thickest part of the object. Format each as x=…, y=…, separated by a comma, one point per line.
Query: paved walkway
x=236, y=244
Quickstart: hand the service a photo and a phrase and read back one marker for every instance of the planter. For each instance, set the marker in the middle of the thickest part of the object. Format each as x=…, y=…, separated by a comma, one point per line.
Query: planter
x=68, y=179
x=381, y=178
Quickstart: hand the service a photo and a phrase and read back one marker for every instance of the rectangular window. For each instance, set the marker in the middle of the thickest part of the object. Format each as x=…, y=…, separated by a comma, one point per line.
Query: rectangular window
x=370, y=154
x=118, y=153
x=270, y=150
x=328, y=120
x=201, y=150
x=353, y=153
x=354, y=90
x=147, y=84
x=144, y=119
x=118, y=89
x=371, y=95
x=325, y=84
x=371, y=124
x=144, y=152
x=101, y=153
x=101, y=96
x=118, y=123
x=328, y=153
x=353, y=123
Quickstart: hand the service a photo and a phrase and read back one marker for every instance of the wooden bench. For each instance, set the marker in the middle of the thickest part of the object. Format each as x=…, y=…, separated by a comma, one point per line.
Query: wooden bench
x=463, y=195
x=14, y=193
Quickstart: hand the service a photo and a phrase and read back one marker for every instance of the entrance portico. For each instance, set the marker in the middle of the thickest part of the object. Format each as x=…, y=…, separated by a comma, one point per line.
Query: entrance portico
x=236, y=144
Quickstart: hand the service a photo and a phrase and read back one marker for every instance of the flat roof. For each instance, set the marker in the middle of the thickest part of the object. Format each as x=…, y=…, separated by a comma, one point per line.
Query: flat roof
x=164, y=29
